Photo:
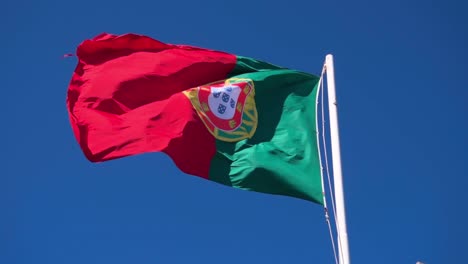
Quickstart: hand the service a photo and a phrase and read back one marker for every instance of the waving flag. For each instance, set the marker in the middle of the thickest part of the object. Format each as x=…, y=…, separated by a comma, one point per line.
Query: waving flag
x=231, y=119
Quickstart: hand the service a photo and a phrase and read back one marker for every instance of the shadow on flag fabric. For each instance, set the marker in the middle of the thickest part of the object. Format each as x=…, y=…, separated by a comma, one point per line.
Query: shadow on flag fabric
x=230, y=119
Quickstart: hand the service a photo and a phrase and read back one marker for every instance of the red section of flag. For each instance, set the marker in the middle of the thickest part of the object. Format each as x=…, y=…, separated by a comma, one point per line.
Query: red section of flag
x=125, y=99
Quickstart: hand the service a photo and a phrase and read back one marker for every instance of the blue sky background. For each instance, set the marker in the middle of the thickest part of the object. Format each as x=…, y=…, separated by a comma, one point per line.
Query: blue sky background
x=401, y=74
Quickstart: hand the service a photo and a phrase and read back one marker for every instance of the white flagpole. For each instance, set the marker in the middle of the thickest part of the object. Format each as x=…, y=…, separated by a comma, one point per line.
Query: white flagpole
x=343, y=247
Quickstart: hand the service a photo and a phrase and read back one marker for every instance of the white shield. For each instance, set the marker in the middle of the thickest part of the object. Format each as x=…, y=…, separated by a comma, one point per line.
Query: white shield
x=223, y=100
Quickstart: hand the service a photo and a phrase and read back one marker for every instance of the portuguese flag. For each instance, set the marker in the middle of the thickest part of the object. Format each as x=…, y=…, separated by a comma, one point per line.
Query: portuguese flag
x=230, y=119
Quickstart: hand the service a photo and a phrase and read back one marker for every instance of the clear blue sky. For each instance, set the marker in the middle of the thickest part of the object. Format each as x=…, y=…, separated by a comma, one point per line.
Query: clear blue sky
x=402, y=79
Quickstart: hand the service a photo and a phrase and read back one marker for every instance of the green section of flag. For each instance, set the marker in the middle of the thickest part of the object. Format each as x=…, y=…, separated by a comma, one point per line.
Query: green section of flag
x=282, y=157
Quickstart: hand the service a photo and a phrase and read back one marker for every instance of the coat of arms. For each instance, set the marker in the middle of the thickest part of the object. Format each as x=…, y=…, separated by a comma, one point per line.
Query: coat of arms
x=227, y=108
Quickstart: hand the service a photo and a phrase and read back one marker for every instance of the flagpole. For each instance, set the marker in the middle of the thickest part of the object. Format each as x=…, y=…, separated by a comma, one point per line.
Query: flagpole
x=342, y=233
